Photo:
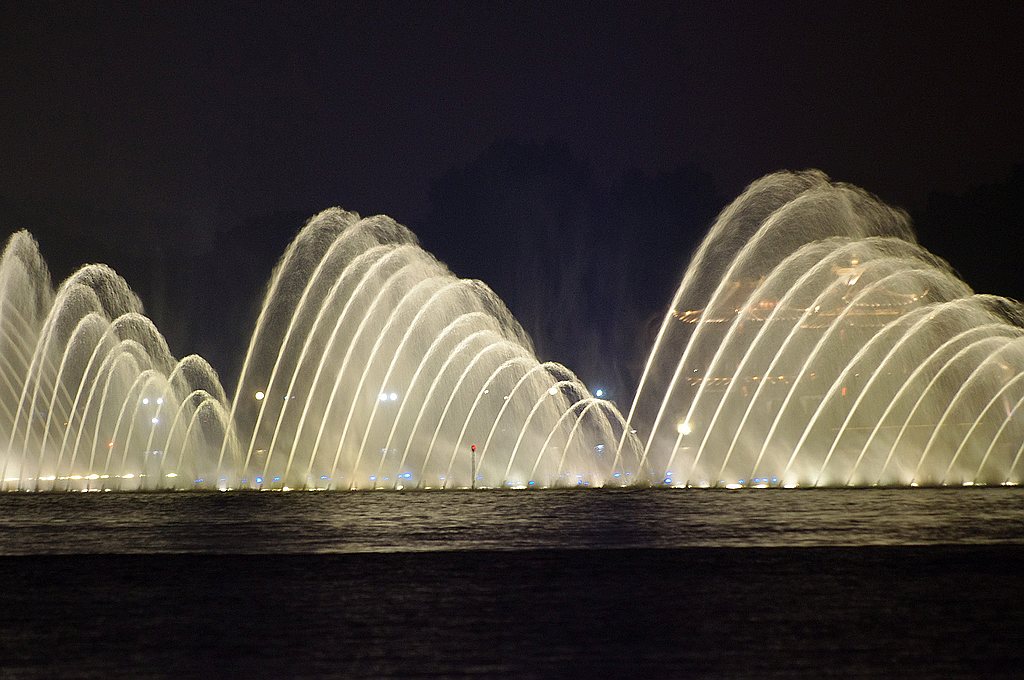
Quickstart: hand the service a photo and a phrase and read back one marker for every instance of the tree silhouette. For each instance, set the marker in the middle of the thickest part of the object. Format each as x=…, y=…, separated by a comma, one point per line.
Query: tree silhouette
x=588, y=270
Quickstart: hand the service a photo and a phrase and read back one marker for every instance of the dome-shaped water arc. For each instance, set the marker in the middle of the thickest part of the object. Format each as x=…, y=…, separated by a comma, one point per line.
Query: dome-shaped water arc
x=813, y=342
x=371, y=366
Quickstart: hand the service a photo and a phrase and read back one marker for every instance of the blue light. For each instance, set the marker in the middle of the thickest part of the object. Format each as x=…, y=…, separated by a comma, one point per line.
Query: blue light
x=775, y=480
x=324, y=477
x=742, y=481
x=669, y=473
x=199, y=481
x=668, y=480
x=532, y=482
x=617, y=475
x=277, y=479
x=406, y=475
x=373, y=478
x=259, y=480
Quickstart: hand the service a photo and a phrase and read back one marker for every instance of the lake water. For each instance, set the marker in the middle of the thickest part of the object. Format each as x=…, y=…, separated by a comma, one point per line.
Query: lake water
x=919, y=583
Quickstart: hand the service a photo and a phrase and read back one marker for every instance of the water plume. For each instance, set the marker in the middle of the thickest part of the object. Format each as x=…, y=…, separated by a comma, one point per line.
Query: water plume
x=813, y=342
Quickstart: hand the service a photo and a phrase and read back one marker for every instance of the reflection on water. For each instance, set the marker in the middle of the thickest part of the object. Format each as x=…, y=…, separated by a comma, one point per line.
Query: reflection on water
x=274, y=523
x=547, y=584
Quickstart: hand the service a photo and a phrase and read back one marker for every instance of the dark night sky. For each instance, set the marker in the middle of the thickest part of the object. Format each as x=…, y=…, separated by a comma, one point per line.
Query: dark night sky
x=184, y=146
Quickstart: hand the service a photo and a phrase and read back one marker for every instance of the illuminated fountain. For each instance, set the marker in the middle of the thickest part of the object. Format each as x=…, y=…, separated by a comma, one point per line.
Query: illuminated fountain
x=812, y=342
x=90, y=396
x=371, y=366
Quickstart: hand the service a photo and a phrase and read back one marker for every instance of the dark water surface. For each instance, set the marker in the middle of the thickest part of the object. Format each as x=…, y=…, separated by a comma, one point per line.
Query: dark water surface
x=921, y=583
